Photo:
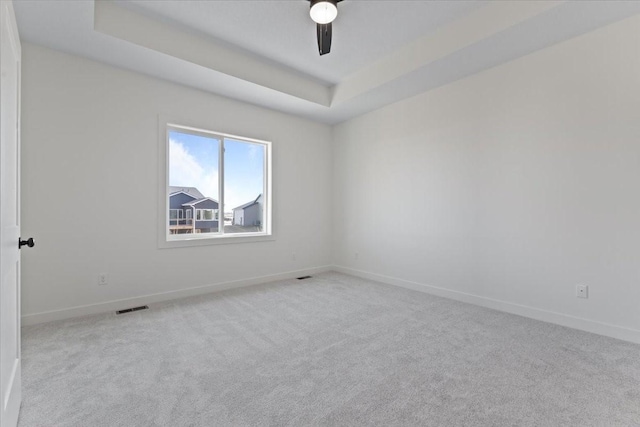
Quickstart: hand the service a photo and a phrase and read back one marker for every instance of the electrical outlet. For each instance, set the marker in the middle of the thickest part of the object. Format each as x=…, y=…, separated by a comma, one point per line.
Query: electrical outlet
x=102, y=279
x=582, y=291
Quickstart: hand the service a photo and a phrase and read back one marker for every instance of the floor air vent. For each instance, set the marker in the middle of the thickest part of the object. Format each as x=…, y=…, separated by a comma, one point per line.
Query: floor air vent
x=303, y=277
x=131, y=310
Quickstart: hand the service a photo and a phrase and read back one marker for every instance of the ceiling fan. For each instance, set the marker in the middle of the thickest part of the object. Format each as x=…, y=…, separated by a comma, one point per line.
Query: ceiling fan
x=323, y=12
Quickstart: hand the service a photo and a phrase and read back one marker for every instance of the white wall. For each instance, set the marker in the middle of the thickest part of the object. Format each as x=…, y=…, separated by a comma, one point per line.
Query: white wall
x=90, y=183
x=507, y=188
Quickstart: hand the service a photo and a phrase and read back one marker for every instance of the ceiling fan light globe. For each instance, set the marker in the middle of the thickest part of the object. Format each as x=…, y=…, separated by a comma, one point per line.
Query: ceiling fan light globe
x=323, y=11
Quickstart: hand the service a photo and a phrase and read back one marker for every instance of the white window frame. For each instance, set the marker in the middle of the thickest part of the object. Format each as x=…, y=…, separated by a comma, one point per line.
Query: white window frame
x=167, y=240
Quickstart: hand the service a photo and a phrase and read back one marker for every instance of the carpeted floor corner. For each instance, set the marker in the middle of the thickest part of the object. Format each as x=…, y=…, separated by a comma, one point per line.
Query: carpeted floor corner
x=330, y=350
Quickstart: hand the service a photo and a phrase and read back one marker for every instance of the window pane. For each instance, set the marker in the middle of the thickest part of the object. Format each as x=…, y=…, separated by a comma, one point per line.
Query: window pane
x=243, y=186
x=193, y=181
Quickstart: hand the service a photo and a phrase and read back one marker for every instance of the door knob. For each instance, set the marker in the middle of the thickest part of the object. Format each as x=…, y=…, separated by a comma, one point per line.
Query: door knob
x=29, y=242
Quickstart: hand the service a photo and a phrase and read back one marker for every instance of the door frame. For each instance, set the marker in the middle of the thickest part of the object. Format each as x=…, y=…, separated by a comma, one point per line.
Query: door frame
x=11, y=388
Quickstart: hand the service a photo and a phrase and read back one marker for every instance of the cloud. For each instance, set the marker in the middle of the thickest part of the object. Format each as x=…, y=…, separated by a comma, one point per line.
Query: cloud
x=186, y=171
x=253, y=151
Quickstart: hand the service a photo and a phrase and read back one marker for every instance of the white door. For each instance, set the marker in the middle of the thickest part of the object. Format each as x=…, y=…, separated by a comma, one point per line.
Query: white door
x=9, y=216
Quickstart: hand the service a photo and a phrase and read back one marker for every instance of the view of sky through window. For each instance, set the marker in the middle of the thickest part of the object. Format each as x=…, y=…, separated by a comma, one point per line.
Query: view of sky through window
x=243, y=172
x=193, y=162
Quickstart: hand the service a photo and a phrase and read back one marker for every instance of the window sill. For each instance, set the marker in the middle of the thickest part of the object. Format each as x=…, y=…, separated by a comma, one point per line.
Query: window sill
x=165, y=243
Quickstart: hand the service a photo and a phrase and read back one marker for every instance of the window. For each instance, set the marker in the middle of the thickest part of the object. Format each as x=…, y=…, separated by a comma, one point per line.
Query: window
x=217, y=186
x=206, y=214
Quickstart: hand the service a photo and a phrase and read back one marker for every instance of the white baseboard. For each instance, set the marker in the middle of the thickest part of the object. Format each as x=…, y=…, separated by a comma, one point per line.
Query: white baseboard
x=613, y=331
x=111, y=306
x=619, y=332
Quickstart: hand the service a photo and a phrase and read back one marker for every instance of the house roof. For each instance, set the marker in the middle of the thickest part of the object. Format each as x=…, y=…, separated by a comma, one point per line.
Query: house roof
x=189, y=191
x=197, y=201
x=251, y=203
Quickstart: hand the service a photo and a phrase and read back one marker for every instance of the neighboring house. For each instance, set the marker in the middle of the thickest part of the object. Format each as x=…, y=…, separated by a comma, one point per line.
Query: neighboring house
x=191, y=212
x=249, y=214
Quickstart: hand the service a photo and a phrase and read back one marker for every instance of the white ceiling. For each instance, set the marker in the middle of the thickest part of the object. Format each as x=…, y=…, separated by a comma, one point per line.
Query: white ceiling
x=282, y=31
x=264, y=52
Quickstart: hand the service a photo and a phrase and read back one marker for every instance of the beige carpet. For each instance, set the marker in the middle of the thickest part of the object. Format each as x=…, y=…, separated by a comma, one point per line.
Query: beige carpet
x=331, y=350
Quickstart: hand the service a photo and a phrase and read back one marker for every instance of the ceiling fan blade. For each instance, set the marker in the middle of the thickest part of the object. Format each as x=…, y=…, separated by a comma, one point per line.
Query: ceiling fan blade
x=324, y=38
